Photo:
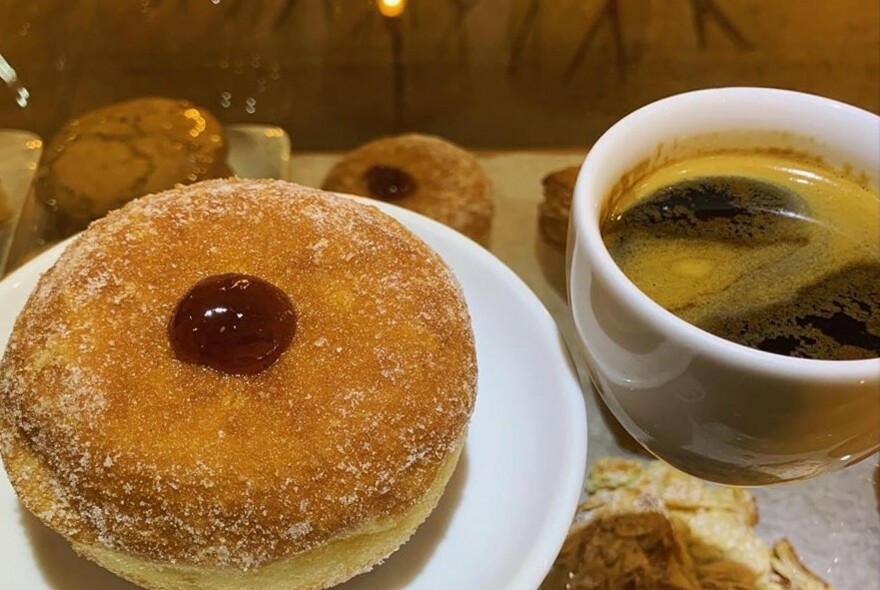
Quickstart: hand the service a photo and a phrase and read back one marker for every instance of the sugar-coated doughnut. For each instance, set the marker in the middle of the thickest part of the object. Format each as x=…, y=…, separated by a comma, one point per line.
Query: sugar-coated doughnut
x=426, y=174
x=177, y=475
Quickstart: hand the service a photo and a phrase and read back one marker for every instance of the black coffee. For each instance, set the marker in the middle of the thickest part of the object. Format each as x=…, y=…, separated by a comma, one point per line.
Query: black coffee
x=778, y=254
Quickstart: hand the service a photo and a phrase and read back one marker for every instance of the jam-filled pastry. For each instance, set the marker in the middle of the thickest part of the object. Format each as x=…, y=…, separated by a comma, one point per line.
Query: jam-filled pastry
x=105, y=158
x=238, y=384
x=426, y=174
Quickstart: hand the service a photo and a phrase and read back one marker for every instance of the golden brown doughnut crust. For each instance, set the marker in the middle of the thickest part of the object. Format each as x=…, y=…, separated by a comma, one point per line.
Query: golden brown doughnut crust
x=451, y=187
x=109, y=156
x=176, y=462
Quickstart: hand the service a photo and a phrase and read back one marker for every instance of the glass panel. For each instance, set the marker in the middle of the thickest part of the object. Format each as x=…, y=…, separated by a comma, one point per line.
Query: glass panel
x=485, y=73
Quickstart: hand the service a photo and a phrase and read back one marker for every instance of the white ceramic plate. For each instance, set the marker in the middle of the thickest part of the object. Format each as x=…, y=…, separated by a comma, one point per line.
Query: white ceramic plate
x=508, y=507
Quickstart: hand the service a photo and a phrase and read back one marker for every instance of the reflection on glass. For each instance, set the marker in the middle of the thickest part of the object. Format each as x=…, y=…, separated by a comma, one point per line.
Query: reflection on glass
x=485, y=73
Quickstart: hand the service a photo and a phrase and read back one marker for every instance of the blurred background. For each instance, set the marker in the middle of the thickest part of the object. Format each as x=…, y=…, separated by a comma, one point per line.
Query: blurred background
x=484, y=73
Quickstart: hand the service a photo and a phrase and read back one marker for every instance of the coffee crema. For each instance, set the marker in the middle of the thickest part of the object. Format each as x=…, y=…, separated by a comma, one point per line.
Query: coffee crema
x=769, y=250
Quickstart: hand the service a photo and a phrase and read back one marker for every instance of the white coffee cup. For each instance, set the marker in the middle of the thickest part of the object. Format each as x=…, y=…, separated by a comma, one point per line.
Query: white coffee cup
x=713, y=408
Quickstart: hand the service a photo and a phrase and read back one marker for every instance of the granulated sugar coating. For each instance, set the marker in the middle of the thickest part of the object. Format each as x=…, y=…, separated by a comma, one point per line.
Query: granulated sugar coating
x=111, y=440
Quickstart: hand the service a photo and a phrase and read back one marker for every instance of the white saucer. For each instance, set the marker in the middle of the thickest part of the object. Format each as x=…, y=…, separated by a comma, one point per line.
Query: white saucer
x=509, y=505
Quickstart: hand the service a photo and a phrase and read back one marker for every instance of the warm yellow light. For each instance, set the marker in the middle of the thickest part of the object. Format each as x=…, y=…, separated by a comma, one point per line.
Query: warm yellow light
x=198, y=120
x=391, y=8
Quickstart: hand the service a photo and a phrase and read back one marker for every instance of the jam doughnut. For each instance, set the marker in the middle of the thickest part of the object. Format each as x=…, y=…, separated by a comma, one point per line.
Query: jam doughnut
x=426, y=174
x=109, y=156
x=295, y=454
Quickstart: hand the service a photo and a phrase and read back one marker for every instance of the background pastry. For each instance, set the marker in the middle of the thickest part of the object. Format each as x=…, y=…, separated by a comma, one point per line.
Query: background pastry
x=105, y=158
x=554, y=210
x=646, y=526
x=180, y=467
x=426, y=174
